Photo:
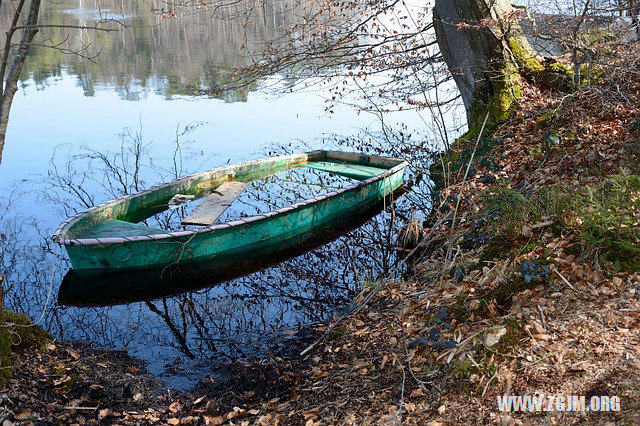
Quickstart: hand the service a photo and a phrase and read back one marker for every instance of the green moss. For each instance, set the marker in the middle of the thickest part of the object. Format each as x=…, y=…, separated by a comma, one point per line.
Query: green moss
x=496, y=249
x=6, y=372
x=556, y=75
x=498, y=101
x=17, y=331
x=529, y=247
x=546, y=120
x=459, y=310
x=495, y=102
x=503, y=294
x=25, y=334
x=524, y=57
x=560, y=68
x=513, y=337
x=590, y=74
x=336, y=332
x=465, y=369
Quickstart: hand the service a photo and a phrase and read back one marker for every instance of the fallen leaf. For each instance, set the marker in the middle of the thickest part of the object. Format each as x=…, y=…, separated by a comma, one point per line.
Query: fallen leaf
x=174, y=407
x=385, y=359
x=311, y=414
x=103, y=414
x=24, y=414
x=211, y=420
x=416, y=393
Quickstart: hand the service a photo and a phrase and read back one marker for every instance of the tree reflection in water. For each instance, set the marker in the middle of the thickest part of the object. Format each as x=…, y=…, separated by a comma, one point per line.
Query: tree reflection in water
x=242, y=318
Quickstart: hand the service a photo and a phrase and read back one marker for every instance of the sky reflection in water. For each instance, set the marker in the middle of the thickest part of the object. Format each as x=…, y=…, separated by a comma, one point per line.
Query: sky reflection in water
x=143, y=80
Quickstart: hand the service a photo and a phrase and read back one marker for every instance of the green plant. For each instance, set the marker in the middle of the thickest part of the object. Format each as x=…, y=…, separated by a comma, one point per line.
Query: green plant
x=557, y=205
x=509, y=209
x=610, y=218
x=513, y=337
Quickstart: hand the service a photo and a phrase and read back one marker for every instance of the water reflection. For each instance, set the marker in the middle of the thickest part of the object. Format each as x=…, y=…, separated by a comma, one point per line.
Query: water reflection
x=186, y=336
x=175, y=53
x=112, y=289
x=154, y=60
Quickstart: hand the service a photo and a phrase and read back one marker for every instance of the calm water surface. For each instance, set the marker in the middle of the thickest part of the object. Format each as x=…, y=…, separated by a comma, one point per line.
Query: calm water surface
x=75, y=126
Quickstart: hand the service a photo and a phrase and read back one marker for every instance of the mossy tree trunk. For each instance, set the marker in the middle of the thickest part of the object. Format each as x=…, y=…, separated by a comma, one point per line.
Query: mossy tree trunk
x=483, y=46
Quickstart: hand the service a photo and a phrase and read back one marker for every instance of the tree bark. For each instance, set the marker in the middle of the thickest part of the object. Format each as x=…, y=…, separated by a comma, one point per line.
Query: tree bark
x=10, y=85
x=473, y=39
x=487, y=54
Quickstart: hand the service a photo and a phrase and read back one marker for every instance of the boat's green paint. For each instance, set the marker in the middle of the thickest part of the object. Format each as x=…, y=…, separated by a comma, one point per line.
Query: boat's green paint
x=120, y=228
x=356, y=171
x=153, y=283
x=142, y=247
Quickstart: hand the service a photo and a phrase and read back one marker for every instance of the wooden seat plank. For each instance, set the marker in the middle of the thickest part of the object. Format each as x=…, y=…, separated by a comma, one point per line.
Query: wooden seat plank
x=215, y=204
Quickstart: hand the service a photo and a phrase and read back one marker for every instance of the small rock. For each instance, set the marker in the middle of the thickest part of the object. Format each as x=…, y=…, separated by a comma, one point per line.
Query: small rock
x=494, y=336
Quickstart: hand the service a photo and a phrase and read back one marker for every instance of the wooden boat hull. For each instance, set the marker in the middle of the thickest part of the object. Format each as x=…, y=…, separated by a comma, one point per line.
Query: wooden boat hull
x=149, y=284
x=230, y=242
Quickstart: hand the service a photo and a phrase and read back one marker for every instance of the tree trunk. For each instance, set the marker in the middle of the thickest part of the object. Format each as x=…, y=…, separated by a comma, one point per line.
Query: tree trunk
x=10, y=85
x=483, y=46
x=473, y=39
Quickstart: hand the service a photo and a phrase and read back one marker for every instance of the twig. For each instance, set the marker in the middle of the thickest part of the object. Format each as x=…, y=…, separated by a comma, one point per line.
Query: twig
x=541, y=225
x=563, y=279
x=544, y=322
x=488, y=383
x=464, y=181
x=539, y=360
x=333, y=325
x=399, y=412
x=77, y=408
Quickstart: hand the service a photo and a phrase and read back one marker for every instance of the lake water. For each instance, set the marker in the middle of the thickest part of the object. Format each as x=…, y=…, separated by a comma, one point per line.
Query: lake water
x=74, y=128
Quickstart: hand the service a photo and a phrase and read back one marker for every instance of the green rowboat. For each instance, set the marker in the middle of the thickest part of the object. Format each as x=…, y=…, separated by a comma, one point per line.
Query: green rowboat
x=109, y=238
x=154, y=283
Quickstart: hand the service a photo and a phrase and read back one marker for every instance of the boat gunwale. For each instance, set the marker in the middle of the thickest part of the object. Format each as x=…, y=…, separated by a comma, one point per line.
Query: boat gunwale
x=229, y=224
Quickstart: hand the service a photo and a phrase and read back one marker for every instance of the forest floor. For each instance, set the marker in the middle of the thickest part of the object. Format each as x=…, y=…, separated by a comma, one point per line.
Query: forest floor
x=526, y=281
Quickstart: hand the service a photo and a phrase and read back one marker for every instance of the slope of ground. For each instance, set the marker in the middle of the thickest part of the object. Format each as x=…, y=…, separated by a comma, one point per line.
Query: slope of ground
x=527, y=281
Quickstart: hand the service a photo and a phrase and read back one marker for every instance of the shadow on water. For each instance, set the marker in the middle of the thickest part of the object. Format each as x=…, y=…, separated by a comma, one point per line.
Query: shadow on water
x=182, y=322
x=137, y=286
x=263, y=302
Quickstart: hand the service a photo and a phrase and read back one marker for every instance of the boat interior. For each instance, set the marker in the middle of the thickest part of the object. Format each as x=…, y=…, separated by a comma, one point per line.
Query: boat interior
x=228, y=193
